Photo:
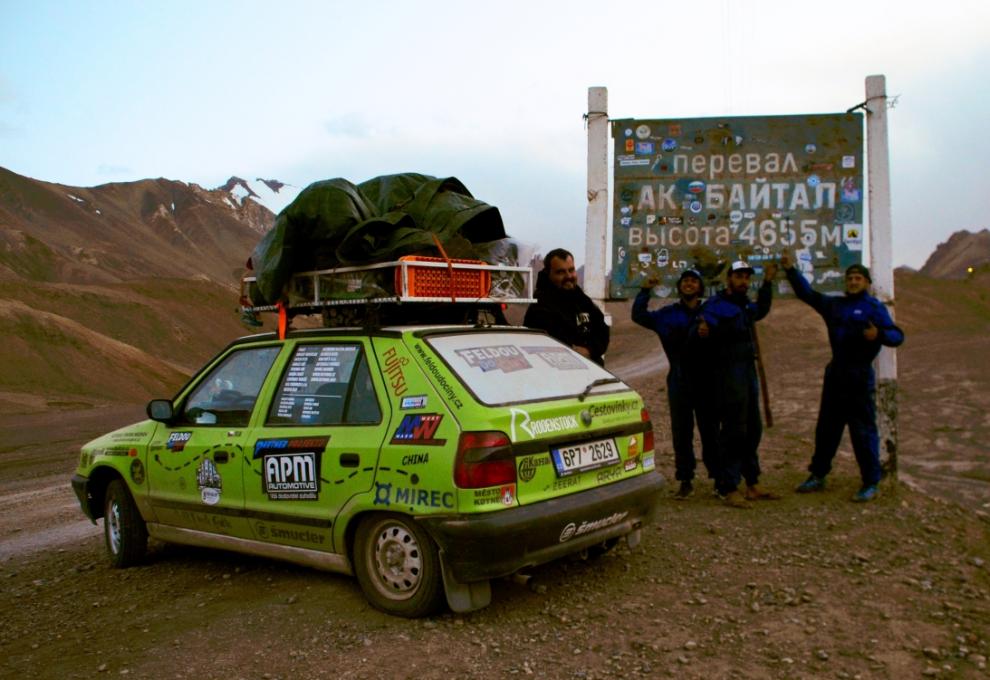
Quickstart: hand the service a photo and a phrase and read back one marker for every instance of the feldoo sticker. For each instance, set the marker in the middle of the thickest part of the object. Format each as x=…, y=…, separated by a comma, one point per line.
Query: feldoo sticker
x=177, y=441
x=506, y=358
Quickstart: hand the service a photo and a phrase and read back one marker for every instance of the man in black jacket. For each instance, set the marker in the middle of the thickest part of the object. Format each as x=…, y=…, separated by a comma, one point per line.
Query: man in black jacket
x=564, y=311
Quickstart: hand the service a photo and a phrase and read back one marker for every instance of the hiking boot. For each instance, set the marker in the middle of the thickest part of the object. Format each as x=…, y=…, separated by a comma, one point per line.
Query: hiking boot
x=866, y=494
x=684, y=491
x=811, y=484
x=755, y=492
x=735, y=499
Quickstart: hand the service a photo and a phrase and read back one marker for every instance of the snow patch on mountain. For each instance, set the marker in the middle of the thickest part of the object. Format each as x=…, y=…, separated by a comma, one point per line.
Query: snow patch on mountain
x=270, y=193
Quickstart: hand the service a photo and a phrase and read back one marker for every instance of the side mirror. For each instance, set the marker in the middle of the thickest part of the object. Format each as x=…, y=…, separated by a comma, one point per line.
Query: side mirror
x=160, y=410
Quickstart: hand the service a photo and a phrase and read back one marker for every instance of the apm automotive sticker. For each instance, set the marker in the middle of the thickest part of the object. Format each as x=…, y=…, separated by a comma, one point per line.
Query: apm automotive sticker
x=505, y=358
x=290, y=468
x=419, y=429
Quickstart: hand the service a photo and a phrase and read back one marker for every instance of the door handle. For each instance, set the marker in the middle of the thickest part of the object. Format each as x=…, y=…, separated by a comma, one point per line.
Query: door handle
x=221, y=457
x=350, y=460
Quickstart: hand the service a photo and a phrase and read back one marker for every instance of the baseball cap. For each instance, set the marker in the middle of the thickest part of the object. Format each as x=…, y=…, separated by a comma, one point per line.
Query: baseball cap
x=690, y=272
x=859, y=269
x=741, y=266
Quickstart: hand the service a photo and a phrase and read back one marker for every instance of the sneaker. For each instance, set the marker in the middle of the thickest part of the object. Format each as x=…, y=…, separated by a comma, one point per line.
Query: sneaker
x=811, y=484
x=684, y=491
x=757, y=493
x=866, y=494
x=735, y=499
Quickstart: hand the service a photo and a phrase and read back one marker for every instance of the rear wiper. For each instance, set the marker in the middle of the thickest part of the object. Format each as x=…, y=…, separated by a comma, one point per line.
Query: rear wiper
x=595, y=383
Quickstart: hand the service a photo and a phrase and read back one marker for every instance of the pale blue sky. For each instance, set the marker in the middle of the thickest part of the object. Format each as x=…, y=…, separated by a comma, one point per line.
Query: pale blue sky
x=493, y=93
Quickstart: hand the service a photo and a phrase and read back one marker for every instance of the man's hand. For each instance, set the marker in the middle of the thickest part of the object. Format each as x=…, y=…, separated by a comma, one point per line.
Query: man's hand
x=786, y=259
x=583, y=351
x=650, y=282
x=703, y=330
x=769, y=271
x=870, y=332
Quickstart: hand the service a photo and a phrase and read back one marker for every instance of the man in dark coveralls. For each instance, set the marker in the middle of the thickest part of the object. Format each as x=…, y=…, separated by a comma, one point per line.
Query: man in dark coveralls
x=564, y=311
x=724, y=331
x=684, y=381
x=858, y=324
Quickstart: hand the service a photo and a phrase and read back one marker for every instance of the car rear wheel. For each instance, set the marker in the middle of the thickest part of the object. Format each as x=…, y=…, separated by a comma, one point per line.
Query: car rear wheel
x=398, y=566
x=125, y=532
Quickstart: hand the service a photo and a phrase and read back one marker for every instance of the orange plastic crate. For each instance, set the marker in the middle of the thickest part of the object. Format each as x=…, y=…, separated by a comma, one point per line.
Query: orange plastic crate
x=436, y=281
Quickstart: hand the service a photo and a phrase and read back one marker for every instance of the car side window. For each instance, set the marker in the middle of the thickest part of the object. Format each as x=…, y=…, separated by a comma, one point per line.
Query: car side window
x=326, y=385
x=227, y=394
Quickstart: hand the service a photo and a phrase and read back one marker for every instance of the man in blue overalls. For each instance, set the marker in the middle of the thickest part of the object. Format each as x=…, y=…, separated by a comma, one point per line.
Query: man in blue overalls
x=684, y=383
x=724, y=331
x=858, y=324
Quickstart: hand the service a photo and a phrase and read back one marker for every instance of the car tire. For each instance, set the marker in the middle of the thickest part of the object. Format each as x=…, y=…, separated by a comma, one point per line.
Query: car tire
x=124, y=530
x=397, y=566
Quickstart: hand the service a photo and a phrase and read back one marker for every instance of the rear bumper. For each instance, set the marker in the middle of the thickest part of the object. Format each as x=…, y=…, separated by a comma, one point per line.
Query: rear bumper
x=478, y=547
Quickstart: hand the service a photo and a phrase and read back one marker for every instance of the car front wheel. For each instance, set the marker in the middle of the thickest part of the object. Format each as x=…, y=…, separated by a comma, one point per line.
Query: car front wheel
x=125, y=532
x=398, y=566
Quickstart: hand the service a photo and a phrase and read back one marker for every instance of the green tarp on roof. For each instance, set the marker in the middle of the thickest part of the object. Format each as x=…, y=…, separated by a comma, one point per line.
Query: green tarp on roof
x=335, y=223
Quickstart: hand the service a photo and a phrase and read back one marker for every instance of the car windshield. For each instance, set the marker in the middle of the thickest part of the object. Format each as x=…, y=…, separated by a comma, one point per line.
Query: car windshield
x=506, y=368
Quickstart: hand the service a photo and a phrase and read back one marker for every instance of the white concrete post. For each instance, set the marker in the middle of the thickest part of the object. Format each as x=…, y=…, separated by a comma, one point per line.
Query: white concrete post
x=597, y=217
x=881, y=261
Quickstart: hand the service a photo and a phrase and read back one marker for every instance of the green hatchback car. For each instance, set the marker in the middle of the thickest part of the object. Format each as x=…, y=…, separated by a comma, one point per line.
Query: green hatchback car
x=425, y=460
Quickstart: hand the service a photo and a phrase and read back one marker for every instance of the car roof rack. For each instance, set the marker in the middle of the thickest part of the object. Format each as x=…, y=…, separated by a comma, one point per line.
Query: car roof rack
x=385, y=286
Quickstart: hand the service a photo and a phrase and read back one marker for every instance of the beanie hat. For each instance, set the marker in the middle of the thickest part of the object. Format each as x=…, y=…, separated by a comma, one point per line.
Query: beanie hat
x=859, y=269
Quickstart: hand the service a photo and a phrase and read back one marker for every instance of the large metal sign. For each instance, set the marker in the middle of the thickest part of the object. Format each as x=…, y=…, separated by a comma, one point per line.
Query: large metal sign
x=702, y=192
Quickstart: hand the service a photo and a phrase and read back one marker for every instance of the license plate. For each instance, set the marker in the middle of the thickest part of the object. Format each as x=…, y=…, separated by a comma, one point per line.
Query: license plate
x=584, y=456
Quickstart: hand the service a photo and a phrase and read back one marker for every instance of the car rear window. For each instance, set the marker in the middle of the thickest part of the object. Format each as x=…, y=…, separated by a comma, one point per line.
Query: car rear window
x=503, y=368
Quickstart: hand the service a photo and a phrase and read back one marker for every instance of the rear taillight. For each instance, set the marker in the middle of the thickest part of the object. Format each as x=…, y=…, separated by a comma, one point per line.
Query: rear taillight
x=644, y=415
x=484, y=459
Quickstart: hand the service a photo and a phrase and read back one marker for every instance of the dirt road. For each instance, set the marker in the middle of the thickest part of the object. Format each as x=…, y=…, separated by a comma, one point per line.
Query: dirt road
x=804, y=587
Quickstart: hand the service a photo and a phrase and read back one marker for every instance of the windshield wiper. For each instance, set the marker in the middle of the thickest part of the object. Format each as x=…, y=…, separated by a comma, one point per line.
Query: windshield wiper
x=595, y=383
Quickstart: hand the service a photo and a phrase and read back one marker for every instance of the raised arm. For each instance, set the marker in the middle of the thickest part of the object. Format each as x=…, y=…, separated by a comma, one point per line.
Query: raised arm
x=802, y=289
x=640, y=306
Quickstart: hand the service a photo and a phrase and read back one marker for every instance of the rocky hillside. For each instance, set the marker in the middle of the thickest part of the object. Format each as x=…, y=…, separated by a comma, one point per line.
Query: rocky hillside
x=119, y=290
x=124, y=231
x=964, y=249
